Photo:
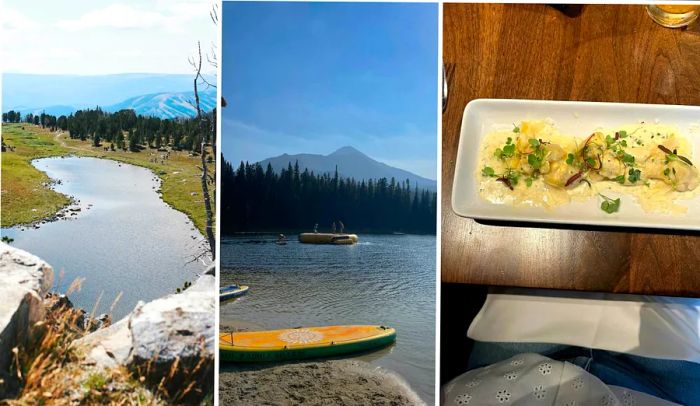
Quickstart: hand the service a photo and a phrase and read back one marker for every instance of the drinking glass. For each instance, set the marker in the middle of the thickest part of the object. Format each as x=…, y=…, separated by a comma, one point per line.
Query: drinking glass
x=673, y=16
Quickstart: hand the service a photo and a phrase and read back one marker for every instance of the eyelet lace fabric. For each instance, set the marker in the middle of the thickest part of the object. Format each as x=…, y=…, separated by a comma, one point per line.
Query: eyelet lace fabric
x=538, y=380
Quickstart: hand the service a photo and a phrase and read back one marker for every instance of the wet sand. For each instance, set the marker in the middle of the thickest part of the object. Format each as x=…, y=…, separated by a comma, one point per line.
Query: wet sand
x=336, y=382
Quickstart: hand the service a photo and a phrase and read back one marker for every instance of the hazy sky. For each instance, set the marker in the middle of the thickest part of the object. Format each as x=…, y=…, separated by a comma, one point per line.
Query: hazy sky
x=103, y=36
x=313, y=77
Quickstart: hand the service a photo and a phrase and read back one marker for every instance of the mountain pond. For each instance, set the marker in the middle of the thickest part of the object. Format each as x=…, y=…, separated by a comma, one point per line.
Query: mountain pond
x=124, y=240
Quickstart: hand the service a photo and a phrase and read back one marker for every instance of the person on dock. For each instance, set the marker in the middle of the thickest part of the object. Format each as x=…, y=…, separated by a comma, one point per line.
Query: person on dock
x=333, y=228
x=316, y=228
x=342, y=226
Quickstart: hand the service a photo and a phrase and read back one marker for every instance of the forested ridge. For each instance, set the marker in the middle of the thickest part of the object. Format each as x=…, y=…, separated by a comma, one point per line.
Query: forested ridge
x=259, y=199
x=123, y=129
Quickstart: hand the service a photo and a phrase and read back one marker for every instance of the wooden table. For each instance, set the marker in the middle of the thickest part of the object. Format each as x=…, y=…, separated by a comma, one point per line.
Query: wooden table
x=607, y=53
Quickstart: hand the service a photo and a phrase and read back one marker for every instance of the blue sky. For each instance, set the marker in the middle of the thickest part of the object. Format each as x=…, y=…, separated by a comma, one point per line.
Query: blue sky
x=104, y=36
x=313, y=77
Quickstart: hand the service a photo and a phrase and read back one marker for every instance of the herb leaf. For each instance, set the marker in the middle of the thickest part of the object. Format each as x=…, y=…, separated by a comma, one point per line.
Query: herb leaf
x=570, y=159
x=635, y=175
x=609, y=205
x=488, y=171
x=627, y=158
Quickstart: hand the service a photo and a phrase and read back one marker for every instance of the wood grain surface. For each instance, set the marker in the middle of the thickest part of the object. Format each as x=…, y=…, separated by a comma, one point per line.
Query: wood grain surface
x=606, y=53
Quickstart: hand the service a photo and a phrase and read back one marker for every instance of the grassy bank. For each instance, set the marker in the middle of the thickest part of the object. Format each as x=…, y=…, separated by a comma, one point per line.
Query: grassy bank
x=25, y=188
x=26, y=197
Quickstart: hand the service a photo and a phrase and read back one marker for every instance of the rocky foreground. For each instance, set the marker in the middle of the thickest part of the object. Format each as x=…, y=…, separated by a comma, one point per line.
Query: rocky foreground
x=162, y=352
x=333, y=382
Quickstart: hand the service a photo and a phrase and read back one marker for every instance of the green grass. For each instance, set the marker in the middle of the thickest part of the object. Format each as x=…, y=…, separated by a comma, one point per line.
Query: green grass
x=25, y=195
x=180, y=175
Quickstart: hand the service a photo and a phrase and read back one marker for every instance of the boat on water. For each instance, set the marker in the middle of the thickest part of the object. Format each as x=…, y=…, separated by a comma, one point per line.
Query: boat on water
x=232, y=291
x=302, y=342
x=328, y=238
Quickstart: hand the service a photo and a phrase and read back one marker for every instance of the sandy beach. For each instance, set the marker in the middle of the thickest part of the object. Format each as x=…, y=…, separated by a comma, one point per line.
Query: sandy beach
x=339, y=382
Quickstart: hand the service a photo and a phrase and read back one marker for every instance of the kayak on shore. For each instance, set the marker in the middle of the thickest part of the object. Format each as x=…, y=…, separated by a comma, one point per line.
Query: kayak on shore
x=302, y=343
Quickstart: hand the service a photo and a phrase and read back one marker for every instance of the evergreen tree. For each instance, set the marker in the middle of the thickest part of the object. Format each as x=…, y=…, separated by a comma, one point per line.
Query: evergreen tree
x=257, y=199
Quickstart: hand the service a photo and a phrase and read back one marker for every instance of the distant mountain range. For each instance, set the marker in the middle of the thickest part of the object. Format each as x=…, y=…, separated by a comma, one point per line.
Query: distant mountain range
x=167, y=105
x=351, y=163
x=159, y=95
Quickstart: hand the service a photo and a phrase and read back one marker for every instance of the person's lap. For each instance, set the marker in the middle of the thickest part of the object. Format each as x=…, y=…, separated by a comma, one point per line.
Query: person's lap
x=676, y=381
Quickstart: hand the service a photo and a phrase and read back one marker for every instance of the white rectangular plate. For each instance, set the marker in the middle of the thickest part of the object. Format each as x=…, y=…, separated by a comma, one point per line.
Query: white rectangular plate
x=482, y=116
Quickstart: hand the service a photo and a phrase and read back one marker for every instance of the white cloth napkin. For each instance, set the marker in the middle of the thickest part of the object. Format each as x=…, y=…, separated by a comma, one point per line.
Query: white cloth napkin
x=649, y=326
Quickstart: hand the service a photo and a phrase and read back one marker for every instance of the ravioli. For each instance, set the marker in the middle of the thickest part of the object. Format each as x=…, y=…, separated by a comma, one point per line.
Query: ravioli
x=535, y=165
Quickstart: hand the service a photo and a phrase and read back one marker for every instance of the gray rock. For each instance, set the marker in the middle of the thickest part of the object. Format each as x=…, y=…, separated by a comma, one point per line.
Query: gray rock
x=178, y=328
x=25, y=281
x=108, y=347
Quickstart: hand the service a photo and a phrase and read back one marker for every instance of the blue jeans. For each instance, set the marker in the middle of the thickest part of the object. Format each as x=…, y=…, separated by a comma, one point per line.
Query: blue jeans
x=676, y=381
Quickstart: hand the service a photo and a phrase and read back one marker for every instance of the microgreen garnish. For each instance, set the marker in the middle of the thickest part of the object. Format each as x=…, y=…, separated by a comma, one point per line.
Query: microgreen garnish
x=635, y=175
x=609, y=205
x=570, y=159
x=627, y=158
x=508, y=150
x=610, y=140
x=516, y=129
x=510, y=178
x=488, y=171
x=537, y=157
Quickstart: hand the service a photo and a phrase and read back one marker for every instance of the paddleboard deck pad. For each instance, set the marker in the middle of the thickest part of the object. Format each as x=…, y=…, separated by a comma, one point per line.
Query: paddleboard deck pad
x=302, y=343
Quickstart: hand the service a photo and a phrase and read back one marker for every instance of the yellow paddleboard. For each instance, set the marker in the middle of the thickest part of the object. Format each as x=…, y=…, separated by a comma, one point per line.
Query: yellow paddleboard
x=304, y=342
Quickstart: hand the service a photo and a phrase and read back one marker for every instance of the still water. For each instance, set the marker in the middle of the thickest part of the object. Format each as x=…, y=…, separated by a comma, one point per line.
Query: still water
x=385, y=279
x=125, y=238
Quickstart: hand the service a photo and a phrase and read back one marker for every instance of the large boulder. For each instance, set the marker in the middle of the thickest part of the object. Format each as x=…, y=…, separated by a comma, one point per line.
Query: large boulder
x=25, y=280
x=173, y=339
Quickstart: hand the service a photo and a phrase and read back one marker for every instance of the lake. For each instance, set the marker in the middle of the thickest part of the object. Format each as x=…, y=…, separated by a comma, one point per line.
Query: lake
x=125, y=238
x=384, y=279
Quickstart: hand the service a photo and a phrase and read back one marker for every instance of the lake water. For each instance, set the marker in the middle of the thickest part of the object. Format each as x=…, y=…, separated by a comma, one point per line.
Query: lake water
x=385, y=279
x=127, y=241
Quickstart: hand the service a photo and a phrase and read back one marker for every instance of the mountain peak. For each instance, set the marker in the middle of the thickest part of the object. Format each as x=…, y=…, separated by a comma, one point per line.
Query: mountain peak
x=350, y=163
x=346, y=150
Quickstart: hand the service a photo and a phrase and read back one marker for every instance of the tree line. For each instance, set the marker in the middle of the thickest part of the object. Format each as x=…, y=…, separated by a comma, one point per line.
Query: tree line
x=124, y=129
x=257, y=199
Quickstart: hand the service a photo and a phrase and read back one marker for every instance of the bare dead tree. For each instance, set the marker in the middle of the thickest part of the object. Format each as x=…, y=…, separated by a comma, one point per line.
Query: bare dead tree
x=209, y=228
